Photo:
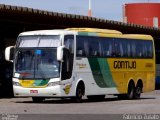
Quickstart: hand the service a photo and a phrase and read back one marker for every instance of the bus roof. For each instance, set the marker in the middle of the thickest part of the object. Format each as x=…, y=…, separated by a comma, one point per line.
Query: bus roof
x=95, y=30
x=100, y=32
x=110, y=33
x=46, y=32
x=138, y=36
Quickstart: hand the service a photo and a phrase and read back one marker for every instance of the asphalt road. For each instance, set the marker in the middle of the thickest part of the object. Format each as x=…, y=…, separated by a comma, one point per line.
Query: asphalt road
x=22, y=108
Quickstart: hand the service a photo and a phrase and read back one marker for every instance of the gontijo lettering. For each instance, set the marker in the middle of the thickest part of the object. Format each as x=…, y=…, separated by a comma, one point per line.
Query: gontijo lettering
x=125, y=64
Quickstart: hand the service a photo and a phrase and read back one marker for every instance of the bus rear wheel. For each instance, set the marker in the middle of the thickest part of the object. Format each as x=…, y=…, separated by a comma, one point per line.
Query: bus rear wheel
x=138, y=91
x=38, y=99
x=131, y=89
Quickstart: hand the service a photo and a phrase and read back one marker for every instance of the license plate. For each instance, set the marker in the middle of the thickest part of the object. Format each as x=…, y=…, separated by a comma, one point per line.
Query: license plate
x=34, y=91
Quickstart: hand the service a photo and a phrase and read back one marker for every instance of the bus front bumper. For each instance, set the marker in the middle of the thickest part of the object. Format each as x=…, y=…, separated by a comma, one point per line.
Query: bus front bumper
x=54, y=91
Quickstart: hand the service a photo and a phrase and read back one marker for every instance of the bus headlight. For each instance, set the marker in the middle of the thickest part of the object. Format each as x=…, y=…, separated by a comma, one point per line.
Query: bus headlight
x=16, y=83
x=53, y=84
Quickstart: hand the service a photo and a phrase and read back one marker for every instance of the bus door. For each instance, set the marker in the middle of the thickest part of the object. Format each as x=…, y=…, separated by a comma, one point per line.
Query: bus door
x=68, y=56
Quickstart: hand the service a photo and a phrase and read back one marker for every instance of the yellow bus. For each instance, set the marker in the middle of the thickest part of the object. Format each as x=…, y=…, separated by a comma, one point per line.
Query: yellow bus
x=87, y=61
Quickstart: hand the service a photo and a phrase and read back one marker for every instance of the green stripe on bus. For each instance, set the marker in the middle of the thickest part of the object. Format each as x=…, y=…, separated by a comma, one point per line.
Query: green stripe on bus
x=40, y=82
x=94, y=64
x=87, y=34
x=106, y=73
x=101, y=72
x=83, y=33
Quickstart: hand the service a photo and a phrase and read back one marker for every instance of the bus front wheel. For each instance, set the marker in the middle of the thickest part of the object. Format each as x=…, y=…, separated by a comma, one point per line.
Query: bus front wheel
x=79, y=92
x=79, y=95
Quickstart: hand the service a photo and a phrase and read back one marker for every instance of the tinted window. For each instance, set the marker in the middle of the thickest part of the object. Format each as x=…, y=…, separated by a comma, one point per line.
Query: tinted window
x=81, y=51
x=69, y=42
x=113, y=47
x=94, y=46
x=107, y=47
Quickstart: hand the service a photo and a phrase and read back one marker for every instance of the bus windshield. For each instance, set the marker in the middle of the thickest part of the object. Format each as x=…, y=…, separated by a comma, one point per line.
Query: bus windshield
x=38, y=41
x=36, y=63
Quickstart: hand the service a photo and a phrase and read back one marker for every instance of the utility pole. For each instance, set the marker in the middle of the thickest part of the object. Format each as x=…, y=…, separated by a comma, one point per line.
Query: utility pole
x=89, y=11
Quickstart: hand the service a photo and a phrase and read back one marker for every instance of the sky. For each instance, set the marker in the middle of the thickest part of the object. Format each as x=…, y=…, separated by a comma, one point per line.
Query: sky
x=105, y=9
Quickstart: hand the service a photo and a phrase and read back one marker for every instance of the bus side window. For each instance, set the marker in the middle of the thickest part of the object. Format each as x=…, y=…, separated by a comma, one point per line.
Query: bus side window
x=80, y=46
x=69, y=42
x=145, y=49
x=149, y=47
x=106, y=44
x=117, y=45
x=128, y=49
x=133, y=48
x=124, y=48
x=139, y=49
x=93, y=46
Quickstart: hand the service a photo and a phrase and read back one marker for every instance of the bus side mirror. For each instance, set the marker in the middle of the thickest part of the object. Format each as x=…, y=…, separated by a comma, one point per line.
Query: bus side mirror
x=9, y=53
x=60, y=53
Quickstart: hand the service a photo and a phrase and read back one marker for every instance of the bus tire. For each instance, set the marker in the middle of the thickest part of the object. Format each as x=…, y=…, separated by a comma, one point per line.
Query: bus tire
x=79, y=92
x=131, y=89
x=38, y=99
x=138, y=90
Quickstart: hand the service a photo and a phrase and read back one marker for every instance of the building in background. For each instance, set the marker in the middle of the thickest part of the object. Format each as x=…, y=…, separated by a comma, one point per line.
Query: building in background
x=147, y=14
